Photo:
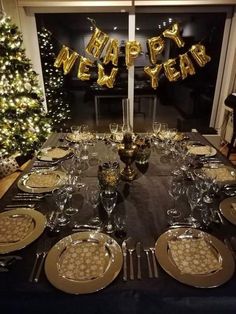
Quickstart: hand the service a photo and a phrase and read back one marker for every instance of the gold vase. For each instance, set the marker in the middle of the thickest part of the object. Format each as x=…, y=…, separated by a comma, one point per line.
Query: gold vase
x=127, y=153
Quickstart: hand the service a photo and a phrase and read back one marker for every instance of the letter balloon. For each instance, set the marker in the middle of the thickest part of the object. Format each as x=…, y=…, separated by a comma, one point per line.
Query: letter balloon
x=153, y=73
x=174, y=34
x=97, y=43
x=171, y=73
x=132, y=50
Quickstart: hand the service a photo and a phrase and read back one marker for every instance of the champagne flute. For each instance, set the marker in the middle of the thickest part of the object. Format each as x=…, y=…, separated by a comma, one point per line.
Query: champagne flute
x=109, y=202
x=93, y=198
x=194, y=198
x=175, y=191
x=60, y=197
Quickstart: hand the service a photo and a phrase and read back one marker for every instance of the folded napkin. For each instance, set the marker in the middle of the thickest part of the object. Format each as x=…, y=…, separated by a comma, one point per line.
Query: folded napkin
x=83, y=261
x=43, y=180
x=220, y=174
x=200, y=150
x=194, y=256
x=53, y=153
x=14, y=228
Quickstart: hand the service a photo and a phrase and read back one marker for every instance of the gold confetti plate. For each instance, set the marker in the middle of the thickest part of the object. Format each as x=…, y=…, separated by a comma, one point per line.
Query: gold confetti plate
x=36, y=229
x=44, y=153
x=208, y=280
x=227, y=210
x=75, y=138
x=23, y=181
x=112, y=266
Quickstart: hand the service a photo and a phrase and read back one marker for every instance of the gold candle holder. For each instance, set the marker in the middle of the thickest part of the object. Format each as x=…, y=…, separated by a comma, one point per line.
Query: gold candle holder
x=127, y=153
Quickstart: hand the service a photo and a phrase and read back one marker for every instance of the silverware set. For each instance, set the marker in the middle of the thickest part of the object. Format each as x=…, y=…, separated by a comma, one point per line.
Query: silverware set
x=128, y=248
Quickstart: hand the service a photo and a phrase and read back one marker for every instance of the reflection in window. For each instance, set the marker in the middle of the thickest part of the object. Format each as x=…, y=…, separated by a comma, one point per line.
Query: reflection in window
x=187, y=103
x=89, y=102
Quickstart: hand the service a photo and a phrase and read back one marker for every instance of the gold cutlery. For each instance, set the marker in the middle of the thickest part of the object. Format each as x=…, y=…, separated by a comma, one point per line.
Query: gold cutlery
x=138, y=253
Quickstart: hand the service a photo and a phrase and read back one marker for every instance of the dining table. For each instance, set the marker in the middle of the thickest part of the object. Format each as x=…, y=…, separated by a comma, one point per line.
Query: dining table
x=142, y=205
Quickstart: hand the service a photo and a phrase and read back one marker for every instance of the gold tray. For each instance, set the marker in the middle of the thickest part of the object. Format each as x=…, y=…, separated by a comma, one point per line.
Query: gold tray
x=22, y=182
x=227, y=211
x=37, y=228
x=209, y=280
x=112, y=269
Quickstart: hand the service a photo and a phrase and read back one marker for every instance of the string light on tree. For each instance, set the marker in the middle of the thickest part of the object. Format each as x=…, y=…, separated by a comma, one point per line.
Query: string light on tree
x=21, y=97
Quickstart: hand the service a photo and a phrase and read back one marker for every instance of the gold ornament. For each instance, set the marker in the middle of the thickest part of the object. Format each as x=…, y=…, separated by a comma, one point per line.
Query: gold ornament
x=186, y=65
x=199, y=54
x=132, y=50
x=104, y=79
x=171, y=73
x=112, y=52
x=97, y=43
x=153, y=73
x=64, y=58
x=156, y=46
x=174, y=34
x=83, y=69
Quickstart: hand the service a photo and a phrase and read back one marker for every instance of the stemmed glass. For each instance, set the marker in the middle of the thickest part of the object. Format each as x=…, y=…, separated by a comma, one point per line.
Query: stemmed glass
x=60, y=197
x=156, y=127
x=75, y=130
x=71, y=187
x=194, y=198
x=113, y=128
x=109, y=202
x=93, y=198
x=175, y=191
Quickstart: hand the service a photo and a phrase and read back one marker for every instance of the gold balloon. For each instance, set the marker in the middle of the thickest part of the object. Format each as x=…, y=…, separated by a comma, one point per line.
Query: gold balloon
x=153, y=73
x=171, y=73
x=156, y=46
x=112, y=52
x=186, y=65
x=64, y=58
x=97, y=43
x=104, y=79
x=83, y=69
x=174, y=34
x=199, y=54
x=132, y=50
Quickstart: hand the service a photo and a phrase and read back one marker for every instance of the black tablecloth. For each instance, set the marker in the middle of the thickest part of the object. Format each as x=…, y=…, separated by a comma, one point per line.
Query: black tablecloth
x=144, y=202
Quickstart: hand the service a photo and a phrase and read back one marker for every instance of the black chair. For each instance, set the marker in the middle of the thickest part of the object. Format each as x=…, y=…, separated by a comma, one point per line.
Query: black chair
x=230, y=102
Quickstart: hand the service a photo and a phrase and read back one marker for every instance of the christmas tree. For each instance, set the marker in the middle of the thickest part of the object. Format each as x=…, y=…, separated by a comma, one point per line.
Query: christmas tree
x=24, y=124
x=58, y=108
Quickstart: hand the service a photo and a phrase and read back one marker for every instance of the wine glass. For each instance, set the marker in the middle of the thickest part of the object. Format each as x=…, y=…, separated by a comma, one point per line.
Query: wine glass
x=75, y=130
x=109, y=202
x=60, y=197
x=156, y=127
x=194, y=197
x=175, y=191
x=93, y=198
x=113, y=128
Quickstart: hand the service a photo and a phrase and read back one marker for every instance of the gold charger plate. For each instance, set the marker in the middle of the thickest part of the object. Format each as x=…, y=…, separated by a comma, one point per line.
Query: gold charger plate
x=36, y=229
x=227, y=210
x=43, y=154
x=113, y=265
x=22, y=182
x=209, y=280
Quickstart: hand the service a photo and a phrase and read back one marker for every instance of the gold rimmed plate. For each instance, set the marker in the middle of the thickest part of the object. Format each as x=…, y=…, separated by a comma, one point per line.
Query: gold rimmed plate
x=205, y=280
x=37, y=226
x=70, y=279
x=228, y=210
x=54, y=153
x=25, y=184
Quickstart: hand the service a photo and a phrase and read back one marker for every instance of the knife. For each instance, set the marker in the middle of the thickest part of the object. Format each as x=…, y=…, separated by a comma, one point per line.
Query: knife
x=124, y=250
x=138, y=253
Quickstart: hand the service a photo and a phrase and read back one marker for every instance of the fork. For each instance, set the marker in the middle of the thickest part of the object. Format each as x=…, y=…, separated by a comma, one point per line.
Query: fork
x=152, y=249
x=131, y=248
x=147, y=250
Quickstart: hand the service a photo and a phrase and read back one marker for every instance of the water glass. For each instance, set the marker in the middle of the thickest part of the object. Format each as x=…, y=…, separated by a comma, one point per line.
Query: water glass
x=93, y=199
x=109, y=202
x=113, y=128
